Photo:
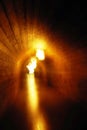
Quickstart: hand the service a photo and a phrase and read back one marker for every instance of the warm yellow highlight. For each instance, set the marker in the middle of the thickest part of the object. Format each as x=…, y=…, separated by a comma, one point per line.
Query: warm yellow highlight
x=39, y=43
x=40, y=54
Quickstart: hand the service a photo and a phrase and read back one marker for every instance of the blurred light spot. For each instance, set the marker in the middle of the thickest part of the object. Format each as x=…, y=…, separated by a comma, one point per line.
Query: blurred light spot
x=32, y=65
x=40, y=54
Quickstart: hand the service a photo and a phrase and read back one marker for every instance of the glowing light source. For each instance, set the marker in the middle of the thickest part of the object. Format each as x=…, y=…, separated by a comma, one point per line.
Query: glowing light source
x=40, y=54
x=32, y=65
x=38, y=121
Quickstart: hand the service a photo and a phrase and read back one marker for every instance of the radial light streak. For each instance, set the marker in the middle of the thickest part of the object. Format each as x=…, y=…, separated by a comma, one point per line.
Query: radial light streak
x=38, y=121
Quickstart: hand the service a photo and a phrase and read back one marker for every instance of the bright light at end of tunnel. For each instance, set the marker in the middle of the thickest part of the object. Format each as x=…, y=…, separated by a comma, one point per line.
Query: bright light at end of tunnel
x=32, y=65
x=40, y=54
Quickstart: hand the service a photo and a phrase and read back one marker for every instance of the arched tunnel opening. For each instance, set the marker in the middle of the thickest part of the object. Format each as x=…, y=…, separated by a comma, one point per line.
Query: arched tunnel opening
x=53, y=94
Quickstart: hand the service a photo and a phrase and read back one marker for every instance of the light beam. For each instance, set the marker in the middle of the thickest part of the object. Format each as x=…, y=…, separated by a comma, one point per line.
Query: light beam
x=38, y=121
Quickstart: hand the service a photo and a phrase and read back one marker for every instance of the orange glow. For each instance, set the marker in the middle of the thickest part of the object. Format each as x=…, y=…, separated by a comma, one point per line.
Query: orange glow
x=40, y=54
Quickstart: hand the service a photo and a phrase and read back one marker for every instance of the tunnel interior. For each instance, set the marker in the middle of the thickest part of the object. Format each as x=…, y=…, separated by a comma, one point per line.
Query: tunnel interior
x=26, y=25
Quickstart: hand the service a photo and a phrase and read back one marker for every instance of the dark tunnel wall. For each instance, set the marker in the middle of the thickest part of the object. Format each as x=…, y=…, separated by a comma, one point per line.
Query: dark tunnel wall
x=19, y=21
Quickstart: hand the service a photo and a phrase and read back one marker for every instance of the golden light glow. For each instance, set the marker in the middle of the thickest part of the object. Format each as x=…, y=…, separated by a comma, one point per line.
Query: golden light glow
x=32, y=65
x=40, y=54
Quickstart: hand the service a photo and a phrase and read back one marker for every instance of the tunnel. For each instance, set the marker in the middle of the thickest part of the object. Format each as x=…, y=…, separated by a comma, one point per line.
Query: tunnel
x=54, y=95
